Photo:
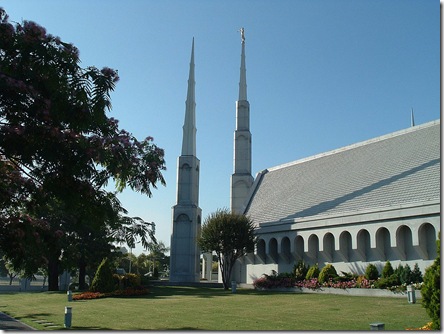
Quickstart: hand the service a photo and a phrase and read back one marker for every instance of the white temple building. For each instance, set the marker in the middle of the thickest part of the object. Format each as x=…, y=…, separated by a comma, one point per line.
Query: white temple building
x=369, y=202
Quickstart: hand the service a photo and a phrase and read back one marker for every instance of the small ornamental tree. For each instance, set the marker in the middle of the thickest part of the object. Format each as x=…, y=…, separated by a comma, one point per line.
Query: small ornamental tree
x=387, y=271
x=231, y=236
x=327, y=273
x=431, y=290
x=313, y=272
x=416, y=274
x=371, y=272
x=103, y=280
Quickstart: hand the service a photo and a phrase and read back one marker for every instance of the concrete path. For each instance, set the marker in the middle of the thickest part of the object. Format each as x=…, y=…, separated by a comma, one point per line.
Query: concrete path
x=11, y=324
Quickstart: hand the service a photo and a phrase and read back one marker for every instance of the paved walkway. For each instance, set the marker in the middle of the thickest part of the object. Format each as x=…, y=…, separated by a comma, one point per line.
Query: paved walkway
x=9, y=323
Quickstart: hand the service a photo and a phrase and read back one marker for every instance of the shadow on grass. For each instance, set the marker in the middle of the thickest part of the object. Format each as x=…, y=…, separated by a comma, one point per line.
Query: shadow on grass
x=171, y=291
x=90, y=328
x=34, y=316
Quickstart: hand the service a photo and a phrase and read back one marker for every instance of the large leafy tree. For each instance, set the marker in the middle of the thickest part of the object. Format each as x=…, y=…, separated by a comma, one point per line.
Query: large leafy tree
x=58, y=149
x=230, y=235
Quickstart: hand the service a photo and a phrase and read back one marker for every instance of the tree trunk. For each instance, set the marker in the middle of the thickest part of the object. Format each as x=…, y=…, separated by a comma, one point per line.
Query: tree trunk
x=53, y=273
x=11, y=278
x=82, y=272
x=226, y=267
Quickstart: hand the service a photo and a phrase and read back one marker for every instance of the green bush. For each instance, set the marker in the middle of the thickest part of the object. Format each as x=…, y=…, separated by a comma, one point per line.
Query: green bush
x=327, y=273
x=387, y=271
x=371, y=272
x=416, y=274
x=127, y=280
x=431, y=290
x=387, y=282
x=406, y=275
x=313, y=272
x=103, y=280
x=300, y=270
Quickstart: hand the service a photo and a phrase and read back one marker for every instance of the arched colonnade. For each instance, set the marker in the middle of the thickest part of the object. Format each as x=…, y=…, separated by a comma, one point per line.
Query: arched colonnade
x=374, y=243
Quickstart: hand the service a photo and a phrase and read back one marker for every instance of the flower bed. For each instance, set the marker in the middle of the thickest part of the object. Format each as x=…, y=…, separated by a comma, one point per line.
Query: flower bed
x=275, y=281
x=128, y=292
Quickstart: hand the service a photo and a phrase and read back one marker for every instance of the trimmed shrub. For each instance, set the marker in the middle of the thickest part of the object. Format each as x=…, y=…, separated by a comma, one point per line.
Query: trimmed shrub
x=103, y=280
x=300, y=271
x=416, y=274
x=387, y=271
x=327, y=273
x=387, y=282
x=431, y=290
x=313, y=272
x=371, y=272
x=406, y=275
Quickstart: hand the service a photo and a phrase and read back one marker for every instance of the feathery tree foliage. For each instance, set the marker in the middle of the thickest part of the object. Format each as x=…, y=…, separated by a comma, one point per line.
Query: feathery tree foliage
x=58, y=149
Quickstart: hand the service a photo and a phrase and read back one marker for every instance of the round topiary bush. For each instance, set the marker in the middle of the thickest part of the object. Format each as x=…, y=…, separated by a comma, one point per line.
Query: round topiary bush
x=327, y=273
x=371, y=272
x=103, y=279
x=313, y=272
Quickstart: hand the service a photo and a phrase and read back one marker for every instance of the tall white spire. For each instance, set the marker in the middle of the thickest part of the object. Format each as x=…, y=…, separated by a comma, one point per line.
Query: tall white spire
x=189, y=126
x=185, y=252
x=243, y=71
x=241, y=179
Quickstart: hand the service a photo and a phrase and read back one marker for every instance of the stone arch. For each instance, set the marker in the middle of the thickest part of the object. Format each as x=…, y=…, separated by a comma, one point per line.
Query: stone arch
x=427, y=241
x=260, y=249
x=329, y=246
x=273, y=249
x=363, y=244
x=286, y=249
x=299, y=247
x=404, y=242
x=345, y=245
x=185, y=182
x=183, y=218
x=383, y=245
x=313, y=248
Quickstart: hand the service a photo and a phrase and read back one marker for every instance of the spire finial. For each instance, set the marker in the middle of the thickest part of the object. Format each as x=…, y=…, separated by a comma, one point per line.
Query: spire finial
x=242, y=31
x=243, y=71
x=412, y=119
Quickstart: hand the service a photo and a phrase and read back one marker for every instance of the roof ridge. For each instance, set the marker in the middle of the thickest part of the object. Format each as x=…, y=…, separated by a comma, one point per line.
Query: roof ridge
x=358, y=144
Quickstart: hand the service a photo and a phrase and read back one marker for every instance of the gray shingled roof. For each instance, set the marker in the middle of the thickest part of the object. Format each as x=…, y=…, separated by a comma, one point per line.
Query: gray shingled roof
x=396, y=169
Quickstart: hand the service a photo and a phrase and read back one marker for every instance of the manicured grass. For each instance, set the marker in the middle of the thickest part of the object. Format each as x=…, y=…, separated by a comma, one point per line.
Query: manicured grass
x=186, y=308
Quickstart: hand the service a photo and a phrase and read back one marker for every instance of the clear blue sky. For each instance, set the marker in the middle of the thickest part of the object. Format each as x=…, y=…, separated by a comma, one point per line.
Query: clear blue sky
x=320, y=75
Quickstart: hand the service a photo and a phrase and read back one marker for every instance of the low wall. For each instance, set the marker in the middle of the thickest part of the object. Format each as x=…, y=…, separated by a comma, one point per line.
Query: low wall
x=347, y=292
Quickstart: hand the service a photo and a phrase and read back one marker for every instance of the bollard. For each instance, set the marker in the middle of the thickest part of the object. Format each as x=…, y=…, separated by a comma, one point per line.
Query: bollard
x=377, y=326
x=69, y=294
x=411, y=297
x=68, y=316
x=233, y=286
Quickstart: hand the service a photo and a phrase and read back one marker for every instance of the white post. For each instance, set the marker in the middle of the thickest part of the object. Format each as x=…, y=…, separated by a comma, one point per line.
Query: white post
x=68, y=316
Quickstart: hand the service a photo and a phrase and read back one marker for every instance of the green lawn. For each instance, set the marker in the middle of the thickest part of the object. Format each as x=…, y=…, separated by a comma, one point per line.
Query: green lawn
x=187, y=308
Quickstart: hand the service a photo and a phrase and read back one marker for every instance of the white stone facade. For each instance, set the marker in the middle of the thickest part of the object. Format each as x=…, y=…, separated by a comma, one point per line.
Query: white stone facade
x=401, y=236
x=370, y=202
